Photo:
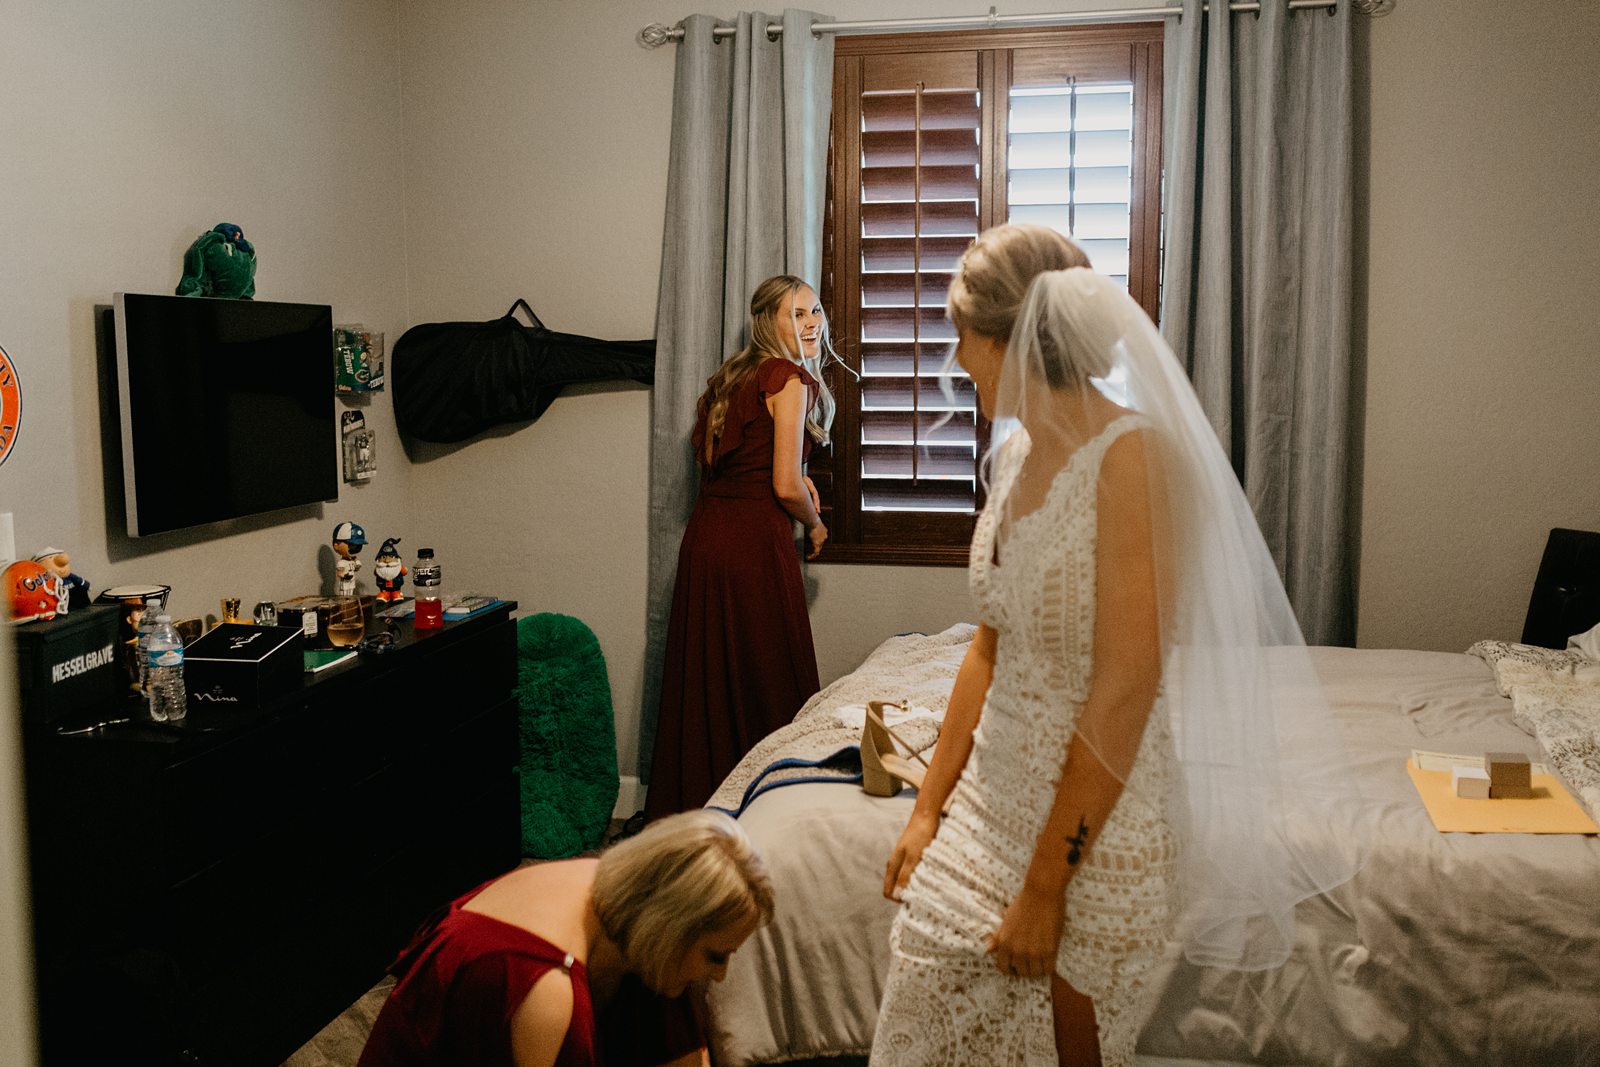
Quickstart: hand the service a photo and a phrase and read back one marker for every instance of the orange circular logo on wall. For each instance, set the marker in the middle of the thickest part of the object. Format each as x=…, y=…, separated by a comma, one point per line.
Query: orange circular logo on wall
x=10, y=405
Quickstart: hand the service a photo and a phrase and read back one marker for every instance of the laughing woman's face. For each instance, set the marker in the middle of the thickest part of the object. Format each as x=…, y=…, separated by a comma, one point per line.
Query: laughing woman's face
x=800, y=324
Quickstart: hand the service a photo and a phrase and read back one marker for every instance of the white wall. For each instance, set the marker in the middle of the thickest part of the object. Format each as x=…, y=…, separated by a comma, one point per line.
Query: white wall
x=1483, y=381
x=129, y=129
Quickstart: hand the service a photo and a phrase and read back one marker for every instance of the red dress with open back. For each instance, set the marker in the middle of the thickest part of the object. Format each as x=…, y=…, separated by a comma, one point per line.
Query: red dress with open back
x=739, y=659
x=465, y=974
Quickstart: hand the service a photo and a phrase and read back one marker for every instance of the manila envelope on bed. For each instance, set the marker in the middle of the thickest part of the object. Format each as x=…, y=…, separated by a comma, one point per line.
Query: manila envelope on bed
x=1551, y=809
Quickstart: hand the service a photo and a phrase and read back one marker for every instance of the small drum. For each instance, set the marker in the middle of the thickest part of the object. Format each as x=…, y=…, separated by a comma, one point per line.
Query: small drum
x=133, y=599
x=123, y=594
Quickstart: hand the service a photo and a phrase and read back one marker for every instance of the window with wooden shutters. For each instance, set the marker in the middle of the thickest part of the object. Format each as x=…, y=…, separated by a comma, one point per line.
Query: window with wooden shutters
x=935, y=138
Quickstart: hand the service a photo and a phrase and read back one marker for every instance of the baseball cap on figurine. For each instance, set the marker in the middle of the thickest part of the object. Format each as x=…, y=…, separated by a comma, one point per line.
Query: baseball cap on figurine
x=30, y=591
x=350, y=532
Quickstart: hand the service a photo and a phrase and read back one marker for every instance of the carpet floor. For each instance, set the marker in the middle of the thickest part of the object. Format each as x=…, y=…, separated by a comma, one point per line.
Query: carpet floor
x=339, y=1043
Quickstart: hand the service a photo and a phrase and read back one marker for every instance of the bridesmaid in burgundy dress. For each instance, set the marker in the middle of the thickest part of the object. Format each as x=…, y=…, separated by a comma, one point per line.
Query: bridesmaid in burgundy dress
x=582, y=962
x=739, y=658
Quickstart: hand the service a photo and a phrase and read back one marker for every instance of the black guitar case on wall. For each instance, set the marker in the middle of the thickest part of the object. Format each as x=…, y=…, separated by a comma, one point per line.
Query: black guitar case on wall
x=452, y=380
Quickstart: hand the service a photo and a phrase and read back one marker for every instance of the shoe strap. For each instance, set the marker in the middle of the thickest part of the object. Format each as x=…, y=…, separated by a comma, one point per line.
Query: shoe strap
x=872, y=713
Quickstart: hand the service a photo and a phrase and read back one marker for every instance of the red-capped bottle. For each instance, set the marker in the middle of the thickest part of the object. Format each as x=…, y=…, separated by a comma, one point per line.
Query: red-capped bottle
x=426, y=580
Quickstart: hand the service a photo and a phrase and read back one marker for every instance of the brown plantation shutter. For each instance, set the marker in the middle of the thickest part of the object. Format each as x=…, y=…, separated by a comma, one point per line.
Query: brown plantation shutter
x=934, y=139
x=915, y=142
x=919, y=211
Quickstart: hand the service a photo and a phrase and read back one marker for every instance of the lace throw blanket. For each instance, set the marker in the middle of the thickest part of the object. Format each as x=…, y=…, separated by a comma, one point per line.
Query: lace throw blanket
x=917, y=668
x=1555, y=697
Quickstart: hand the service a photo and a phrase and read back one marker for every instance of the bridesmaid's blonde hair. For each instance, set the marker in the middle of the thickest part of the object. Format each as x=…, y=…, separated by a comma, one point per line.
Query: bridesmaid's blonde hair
x=765, y=341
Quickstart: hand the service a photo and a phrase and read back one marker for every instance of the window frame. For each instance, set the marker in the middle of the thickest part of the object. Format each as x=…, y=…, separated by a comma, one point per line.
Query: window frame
x=933, y=538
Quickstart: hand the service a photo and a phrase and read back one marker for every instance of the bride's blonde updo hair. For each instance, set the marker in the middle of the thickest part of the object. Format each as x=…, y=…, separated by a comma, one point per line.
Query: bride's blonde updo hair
x=993, y=281
x=996, y=271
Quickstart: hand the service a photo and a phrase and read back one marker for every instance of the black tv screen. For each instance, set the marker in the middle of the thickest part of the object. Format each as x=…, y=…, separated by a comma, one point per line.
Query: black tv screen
x=227, y=408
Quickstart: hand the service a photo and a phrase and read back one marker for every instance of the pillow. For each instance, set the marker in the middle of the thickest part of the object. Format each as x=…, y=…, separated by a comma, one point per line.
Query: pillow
x=1587, y=643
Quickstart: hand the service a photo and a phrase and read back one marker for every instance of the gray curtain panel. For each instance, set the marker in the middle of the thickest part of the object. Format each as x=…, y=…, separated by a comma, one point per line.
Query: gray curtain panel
x=1257, y=298
x=745, y=195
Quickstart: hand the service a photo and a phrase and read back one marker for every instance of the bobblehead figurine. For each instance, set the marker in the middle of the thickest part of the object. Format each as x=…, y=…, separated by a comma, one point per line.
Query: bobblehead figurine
x=348, y=541
x=388, y=571
x=74, y=590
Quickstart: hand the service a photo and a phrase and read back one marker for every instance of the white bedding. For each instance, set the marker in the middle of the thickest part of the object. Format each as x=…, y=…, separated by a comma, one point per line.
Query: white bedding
x=1446, y=948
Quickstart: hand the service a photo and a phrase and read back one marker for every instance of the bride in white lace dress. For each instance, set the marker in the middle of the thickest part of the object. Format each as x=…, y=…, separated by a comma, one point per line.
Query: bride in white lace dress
x=1036, y=910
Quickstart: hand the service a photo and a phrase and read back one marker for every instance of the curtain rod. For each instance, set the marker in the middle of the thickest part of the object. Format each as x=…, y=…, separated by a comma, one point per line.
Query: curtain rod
x=656, y=34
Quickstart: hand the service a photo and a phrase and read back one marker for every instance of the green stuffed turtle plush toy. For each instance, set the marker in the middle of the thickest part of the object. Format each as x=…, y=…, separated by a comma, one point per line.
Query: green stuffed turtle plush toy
x=220, y=263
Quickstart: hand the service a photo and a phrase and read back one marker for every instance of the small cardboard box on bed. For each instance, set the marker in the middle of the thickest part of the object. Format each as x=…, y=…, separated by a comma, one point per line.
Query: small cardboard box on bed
x=1510, y=776
x=1549, y=810
x=1469, y=783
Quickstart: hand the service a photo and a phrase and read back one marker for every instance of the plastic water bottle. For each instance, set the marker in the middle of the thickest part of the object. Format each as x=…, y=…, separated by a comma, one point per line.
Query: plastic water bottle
x=147, y=626
x=164, y=691
x=427, y=578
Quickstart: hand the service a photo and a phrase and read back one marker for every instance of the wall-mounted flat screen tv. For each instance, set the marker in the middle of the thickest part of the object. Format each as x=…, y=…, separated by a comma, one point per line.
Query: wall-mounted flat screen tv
x=227, y=408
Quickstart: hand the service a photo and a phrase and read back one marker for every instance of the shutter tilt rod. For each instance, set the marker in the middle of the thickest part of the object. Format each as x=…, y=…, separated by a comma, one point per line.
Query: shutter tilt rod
x=916, y=281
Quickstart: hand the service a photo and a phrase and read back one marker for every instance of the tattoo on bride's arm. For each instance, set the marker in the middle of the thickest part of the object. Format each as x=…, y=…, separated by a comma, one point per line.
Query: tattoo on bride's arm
x=1077, y=841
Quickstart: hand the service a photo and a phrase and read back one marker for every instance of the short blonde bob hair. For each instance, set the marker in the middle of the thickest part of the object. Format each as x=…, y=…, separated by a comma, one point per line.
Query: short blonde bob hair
x=678, y=879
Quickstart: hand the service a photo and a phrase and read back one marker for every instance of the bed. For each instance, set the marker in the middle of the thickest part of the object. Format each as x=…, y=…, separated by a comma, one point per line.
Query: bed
x=1445, y=948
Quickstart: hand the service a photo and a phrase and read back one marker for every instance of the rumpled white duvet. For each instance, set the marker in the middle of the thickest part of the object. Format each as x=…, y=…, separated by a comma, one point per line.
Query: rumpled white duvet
x=1446, y=948
x=1555, y=696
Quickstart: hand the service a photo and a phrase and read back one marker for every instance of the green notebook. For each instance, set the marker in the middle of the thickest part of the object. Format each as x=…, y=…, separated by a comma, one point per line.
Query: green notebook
x=320, y=659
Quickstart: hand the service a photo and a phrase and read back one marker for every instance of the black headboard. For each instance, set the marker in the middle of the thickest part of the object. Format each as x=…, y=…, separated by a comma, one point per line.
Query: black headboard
x=1566, y=595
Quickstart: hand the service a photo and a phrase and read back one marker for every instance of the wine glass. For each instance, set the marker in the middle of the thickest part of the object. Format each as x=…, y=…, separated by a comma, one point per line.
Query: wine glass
x=346, y=625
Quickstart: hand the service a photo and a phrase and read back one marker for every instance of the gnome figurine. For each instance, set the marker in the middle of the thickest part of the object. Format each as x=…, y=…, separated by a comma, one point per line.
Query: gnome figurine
x=388, y=571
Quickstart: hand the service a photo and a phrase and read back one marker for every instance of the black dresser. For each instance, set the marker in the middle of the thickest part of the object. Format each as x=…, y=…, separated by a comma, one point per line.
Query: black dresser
x=214, y=892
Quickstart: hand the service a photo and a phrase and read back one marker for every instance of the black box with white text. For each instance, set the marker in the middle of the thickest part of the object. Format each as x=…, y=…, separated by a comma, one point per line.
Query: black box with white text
x=67, y=666
x=242, y=667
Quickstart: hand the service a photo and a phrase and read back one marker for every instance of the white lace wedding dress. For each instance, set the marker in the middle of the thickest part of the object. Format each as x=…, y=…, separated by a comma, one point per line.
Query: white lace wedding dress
x=946, y=1002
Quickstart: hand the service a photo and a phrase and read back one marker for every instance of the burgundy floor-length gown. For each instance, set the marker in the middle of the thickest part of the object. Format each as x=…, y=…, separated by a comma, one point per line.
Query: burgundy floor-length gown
x=739, y=658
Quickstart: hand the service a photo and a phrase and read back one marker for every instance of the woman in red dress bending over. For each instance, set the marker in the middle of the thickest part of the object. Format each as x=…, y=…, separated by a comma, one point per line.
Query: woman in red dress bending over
x=739, y=658
x=582, y=962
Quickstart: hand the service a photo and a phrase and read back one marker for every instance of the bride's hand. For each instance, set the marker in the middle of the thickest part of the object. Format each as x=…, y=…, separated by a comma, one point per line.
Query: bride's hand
x=1030, y=934
x=907, y=854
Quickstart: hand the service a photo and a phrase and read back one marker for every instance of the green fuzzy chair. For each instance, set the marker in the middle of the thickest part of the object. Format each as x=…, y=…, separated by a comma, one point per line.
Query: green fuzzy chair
x=567, y=735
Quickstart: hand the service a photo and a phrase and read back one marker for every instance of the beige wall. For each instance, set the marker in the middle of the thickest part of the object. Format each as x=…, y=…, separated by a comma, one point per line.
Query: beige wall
x=536, y=157
x=409, y=161
x=536, y=150
x=1483, y=378
x=129, y=129
x=16, y=962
